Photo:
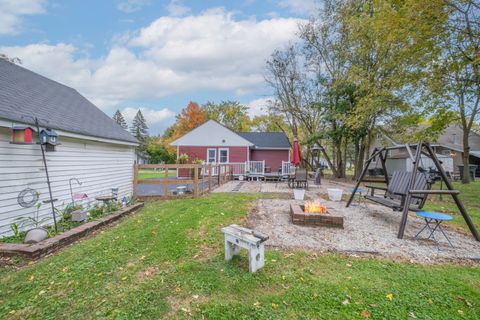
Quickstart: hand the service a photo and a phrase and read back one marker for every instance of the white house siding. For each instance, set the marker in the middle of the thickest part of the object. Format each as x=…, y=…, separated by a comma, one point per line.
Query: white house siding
x=427, y=163
x=99, y=166
x=405, y=164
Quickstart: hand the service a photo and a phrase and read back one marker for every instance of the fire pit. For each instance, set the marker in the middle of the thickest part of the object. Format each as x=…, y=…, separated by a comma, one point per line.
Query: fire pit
x=314, y=214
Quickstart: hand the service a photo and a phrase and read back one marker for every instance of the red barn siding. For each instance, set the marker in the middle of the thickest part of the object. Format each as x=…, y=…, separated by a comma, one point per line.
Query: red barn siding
x=235, y=154
x=273, y=158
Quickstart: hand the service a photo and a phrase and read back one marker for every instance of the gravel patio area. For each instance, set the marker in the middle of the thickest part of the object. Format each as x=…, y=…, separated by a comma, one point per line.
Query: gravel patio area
x=370, y=229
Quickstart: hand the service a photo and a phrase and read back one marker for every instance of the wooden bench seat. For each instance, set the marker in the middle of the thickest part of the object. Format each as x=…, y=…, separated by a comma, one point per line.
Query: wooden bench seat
x=396, y=191
x=395, y=205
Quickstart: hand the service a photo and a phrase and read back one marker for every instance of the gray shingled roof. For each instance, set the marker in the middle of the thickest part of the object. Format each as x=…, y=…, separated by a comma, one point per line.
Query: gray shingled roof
x=25, y=94
x=267, y=139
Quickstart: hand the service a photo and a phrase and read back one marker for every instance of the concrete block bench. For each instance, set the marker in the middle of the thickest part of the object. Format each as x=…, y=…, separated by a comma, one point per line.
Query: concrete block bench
x=237, y=237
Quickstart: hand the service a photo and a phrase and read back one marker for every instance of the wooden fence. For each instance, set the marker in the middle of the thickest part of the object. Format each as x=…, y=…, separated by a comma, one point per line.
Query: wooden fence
x=203, y=179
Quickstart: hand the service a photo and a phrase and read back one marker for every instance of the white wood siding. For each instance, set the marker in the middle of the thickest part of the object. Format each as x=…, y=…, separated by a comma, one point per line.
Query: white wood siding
x=99, y=166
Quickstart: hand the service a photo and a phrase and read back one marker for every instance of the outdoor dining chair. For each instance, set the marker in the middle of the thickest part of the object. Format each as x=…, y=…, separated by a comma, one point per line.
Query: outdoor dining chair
x=301, y=178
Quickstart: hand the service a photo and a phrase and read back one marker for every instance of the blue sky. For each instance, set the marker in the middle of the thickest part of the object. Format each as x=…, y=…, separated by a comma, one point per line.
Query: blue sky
x=153, y=55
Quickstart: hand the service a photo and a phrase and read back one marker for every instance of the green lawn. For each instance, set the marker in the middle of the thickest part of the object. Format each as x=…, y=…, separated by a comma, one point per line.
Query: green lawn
x=167, y=262
x=155, y=174
x=470, y=196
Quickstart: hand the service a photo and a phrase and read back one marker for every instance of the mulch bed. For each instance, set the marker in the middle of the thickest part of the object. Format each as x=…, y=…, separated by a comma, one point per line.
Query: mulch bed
x=50, y=245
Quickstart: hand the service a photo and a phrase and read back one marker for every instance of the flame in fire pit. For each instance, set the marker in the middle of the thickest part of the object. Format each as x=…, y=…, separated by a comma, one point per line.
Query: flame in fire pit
x=314, y=207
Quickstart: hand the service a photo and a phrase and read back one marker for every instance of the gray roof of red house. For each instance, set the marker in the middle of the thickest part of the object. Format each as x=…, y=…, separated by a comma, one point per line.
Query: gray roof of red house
x=25, y=95
x=276, y=140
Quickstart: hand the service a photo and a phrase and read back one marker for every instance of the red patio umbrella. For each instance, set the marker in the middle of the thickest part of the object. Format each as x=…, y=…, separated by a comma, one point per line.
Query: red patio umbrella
x=296, y=156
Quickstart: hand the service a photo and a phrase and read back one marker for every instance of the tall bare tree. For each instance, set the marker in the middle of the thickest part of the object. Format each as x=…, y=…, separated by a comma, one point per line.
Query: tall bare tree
x=295, y=94
x=460, y=68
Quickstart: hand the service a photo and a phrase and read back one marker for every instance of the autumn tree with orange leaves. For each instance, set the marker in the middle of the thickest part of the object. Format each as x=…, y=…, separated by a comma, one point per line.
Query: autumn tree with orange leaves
x=191, y=117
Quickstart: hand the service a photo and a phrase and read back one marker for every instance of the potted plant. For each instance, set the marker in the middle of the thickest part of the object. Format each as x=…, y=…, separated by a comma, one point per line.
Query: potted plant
x=183, y=158
x=299, y=194
x=37, y=233
x=192, y=171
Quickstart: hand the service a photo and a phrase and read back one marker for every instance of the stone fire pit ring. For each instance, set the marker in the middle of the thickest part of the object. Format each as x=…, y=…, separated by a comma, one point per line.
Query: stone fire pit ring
x=300, y=217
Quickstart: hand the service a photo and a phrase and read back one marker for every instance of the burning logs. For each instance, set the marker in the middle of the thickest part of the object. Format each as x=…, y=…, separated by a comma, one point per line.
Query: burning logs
x=314, y=214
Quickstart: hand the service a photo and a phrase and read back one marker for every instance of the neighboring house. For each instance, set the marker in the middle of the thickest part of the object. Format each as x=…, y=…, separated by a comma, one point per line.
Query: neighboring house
x=448, y=147
x=93, y=148
x=248, y=152
x=142, y=158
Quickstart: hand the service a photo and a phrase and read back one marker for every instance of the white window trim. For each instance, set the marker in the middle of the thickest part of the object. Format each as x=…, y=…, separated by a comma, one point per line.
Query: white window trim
x=219, y=155
x=208, y=155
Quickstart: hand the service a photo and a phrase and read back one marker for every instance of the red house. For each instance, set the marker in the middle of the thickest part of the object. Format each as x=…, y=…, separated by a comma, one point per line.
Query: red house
x=254, y=153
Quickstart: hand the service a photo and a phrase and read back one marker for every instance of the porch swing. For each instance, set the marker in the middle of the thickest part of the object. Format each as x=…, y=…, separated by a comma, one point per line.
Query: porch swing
x=408, y=191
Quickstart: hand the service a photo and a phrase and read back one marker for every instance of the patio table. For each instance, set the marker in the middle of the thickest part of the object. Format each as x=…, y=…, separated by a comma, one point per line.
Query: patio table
x=433, y=222
x=105, y=199
x=291, y=181
x=359, y=193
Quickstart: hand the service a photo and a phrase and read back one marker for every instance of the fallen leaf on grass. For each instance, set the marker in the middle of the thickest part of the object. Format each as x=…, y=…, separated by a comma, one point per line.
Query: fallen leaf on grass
x=257, y=304
x=372, y=305
x=12, y=312
x=31, y=278
x=389, y=296
x=465, y=301
x=345, y=302
x=365, y=314
x=42, y=292
x=124, y=278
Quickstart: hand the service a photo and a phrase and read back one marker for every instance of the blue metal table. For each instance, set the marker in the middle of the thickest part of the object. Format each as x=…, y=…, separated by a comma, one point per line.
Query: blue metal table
x=433, y=222
x=360, y=192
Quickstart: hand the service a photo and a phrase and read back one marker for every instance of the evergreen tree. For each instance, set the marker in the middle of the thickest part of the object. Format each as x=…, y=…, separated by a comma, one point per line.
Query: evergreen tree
x=118, y=118
x=139, y=130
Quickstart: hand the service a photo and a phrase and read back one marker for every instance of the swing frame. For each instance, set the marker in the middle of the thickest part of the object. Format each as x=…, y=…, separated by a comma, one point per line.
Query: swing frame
x=421, y=148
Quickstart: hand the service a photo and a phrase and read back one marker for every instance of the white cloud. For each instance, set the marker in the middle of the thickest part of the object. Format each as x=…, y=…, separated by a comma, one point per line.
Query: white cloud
x=130, y=6
x=214, y=47
x=176, y=9
x=259, y=106
x=173, y=55
x=302, y=7
x=11, y=12
x=155, y=118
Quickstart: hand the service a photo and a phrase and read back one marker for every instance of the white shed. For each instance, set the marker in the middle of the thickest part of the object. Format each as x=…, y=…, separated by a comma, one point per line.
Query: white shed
x=93, y=148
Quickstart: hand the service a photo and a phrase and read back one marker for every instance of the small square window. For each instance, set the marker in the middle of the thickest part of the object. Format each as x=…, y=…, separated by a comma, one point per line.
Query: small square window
x=223, y=155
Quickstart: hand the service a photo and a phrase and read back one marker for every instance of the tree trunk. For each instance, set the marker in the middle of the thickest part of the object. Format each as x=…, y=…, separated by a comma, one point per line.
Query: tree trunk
x=327, y=158
x=465, y=157
x=339, y=159
x=356, y=157
x=345, y=147
x=361, y=157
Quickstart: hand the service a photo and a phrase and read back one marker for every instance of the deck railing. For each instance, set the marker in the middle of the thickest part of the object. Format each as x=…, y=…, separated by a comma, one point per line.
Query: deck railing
x=287, y=168
x=201, y=179
x=245, y=168
x=256, y=167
